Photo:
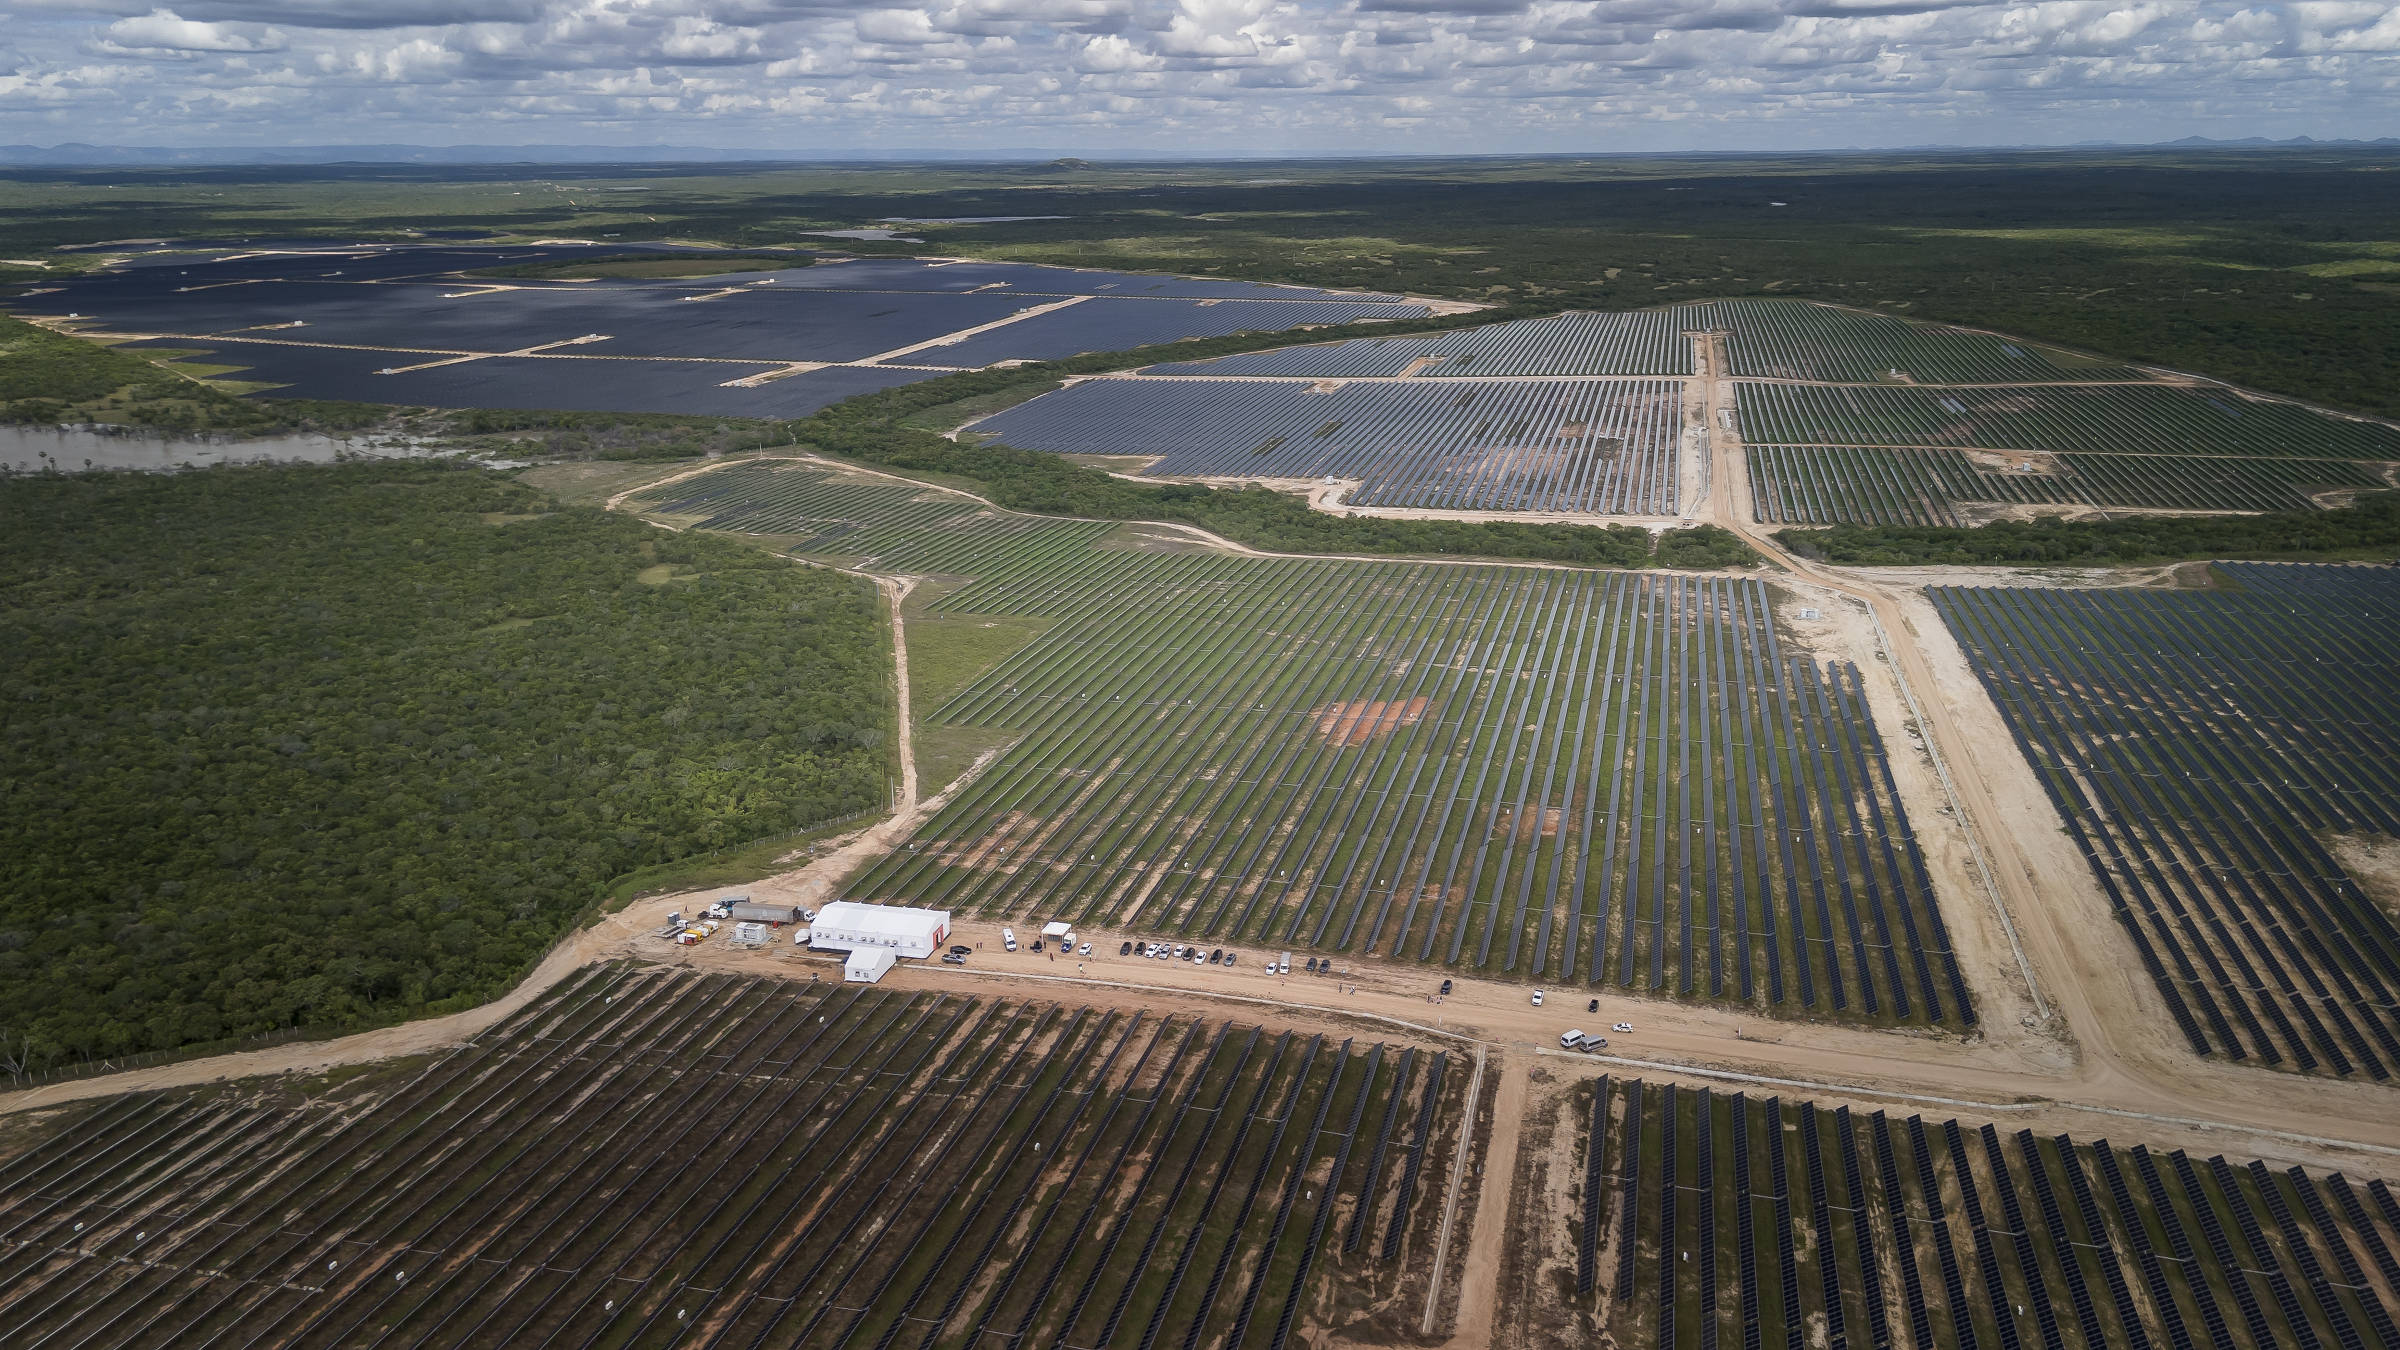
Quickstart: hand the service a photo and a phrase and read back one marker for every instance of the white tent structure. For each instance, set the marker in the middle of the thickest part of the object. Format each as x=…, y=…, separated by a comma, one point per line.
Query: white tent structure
x=848, y=925
x=867, y=965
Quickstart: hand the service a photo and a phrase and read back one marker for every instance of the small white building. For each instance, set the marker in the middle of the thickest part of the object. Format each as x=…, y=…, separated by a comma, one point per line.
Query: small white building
x=846, y=925
x=867, y=965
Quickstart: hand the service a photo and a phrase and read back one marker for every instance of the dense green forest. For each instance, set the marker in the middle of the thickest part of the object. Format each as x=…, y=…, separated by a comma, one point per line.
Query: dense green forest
x=333, y=744
x=2368, y=528
x=2276, y=267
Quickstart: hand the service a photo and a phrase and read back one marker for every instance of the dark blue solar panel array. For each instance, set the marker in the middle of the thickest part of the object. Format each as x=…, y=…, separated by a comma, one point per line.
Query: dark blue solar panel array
x=757, y=323
x=933, y=274
x=533, y=382
x=1525, y=445
x=363, y=262
x=2202, y=746
x=1895, y=1233
x=326, y=321
x=1642, y=342
x=1093, y=326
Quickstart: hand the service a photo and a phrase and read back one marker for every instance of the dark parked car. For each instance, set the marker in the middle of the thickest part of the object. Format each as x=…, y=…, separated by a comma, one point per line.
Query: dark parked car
x=1311, y=967
x=1037, y=944
x=1216, y=956
x=1124, y=949
x=1595, y=1006
x=1445, y=986
x=960, y=951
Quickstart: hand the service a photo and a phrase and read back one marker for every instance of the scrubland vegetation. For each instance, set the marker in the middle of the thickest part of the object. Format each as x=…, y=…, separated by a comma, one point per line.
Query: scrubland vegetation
x=326, y=745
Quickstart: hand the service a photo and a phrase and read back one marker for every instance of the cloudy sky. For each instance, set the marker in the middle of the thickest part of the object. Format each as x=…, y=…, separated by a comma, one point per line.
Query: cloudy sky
x=1216, y=76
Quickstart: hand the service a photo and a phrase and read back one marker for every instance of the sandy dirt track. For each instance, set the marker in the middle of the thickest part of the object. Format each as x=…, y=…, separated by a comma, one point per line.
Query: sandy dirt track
x=2128, y=1057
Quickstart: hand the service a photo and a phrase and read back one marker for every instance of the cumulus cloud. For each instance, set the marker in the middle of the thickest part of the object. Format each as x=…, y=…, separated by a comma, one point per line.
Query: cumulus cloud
x=366, y=14
x=1208, y=75
x=164, y=31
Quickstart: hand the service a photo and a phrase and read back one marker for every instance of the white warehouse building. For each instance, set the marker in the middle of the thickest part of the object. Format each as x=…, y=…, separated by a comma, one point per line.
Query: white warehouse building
x=848, y=925
x=867, y=965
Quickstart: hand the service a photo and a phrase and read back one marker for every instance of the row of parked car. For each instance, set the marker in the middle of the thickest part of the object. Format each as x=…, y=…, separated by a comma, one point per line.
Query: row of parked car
x=1170, y=951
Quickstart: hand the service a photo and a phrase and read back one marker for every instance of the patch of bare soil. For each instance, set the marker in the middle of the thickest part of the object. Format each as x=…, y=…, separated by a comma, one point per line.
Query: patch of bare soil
x=2191, y=576
x=1153, y=539
x=1538, y=1306
x=2030, y=462
x=2048, y=578
x=1116, y=464
x=2373, y=861
x=1360, y=721
x=1483, y=1229
x=1326, y=386
x=1985, y=513
x=1506, y=822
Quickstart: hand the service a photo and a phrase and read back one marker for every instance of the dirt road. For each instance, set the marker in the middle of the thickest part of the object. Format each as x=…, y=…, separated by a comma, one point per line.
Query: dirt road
x=2069, y=947
x=1487, y=1242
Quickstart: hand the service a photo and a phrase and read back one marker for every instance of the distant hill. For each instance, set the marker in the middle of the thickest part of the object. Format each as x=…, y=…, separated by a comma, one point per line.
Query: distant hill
x=78, y=155
x=1035, y=159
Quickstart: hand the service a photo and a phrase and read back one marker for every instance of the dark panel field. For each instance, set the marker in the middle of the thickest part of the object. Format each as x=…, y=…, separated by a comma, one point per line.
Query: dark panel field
x=534, y=382
x=1601, y=777
x=323, y=323
x=2109, y=419
x=1119, y=326
x=1864, y=485
x=651, y=1159
x=1704, y=1219
x=1783, y=339
x=941, y=274
x=1637, y=342
x=2203, y=746
x=1602, y=446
